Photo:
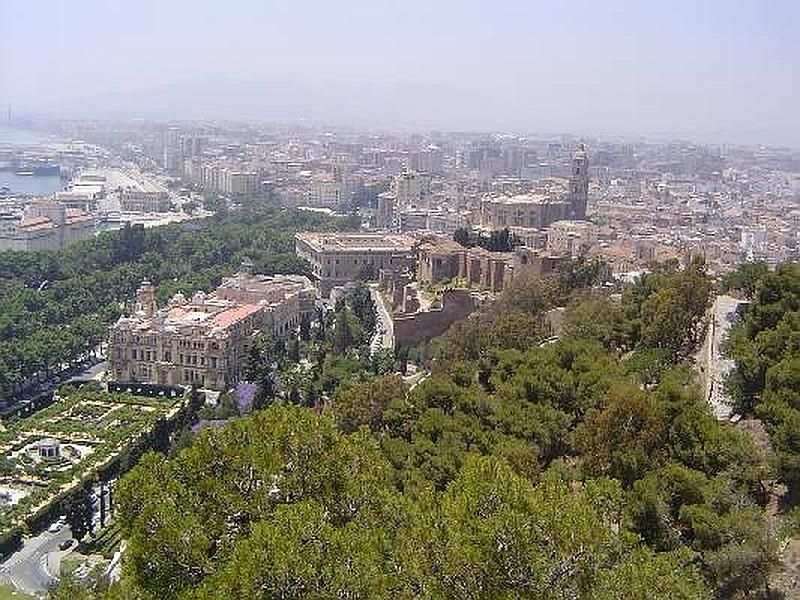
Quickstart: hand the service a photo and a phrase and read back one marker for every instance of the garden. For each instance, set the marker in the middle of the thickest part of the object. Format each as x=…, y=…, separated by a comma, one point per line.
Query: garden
x=45, y=455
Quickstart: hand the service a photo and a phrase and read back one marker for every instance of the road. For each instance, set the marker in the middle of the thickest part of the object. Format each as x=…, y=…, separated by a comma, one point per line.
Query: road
x=715, y=364
x=384, y=330
x=93, y=372
x=66, y=373
x=34, y=568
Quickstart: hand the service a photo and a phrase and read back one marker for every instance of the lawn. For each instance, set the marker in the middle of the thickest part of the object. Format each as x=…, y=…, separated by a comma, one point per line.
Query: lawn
x=9, y=593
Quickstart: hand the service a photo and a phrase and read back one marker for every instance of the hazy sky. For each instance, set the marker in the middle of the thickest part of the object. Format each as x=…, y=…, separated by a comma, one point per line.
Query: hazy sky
x=719, y=70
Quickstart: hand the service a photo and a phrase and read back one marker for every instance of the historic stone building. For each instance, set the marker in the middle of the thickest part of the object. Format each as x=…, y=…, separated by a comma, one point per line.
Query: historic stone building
x=339, y=258
x=524, y=210
x=201, y=342
x=444, y=260
x=536, y=210
x=579, y=184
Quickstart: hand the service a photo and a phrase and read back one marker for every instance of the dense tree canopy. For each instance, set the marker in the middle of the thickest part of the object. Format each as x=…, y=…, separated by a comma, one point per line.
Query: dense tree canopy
x=766, y=380
x=56, y=305
x=282, y=505
x=516, y=469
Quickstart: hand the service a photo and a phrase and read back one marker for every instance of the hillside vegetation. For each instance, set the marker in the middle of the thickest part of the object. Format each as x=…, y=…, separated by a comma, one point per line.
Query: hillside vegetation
x=586, y=468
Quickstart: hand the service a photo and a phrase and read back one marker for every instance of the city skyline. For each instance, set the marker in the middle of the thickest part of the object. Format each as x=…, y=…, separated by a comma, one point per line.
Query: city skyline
x=714, y=72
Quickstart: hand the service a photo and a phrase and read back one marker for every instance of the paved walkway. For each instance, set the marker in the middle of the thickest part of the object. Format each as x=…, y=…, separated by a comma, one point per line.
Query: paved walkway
x=384, y=329
x=34, y=568
x=716, y=366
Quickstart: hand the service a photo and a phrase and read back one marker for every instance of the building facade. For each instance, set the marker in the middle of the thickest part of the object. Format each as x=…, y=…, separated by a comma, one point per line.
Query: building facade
x=338, y=258
x=45, y=226
x=525, y=210
x=572, y=238
x=201, y=342
x=144, y=201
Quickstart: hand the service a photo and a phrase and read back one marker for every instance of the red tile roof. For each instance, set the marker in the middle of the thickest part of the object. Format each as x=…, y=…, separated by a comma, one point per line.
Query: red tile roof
x=234, y=315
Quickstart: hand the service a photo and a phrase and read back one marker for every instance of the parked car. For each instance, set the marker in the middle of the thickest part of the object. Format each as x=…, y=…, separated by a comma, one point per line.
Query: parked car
x=55, y=527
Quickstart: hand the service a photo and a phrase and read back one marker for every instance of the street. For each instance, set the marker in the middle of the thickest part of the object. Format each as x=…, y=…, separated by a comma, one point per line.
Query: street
x=94, y=372
x=384, y=331
x=34, y=568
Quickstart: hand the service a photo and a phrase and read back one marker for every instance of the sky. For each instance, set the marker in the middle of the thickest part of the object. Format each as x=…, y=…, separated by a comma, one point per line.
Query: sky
x=710, y=70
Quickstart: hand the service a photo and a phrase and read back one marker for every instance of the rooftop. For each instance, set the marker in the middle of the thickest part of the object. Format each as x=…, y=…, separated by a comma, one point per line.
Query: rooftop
x=522, y=199
x=233, y=315
x=235, y=299
x=357, y=242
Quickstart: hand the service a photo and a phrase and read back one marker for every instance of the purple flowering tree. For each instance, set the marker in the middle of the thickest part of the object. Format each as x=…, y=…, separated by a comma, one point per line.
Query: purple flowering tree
x=244, y=394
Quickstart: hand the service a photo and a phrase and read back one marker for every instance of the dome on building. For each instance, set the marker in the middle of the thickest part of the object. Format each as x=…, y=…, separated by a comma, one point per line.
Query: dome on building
x=177, y=300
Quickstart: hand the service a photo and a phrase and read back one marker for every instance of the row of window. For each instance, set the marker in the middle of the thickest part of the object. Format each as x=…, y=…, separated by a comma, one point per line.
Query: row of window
x=195, y=359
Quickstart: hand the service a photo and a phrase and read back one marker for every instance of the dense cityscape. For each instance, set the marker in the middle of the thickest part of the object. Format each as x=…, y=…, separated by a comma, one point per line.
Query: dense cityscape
x=647, y=200
x=411, y=301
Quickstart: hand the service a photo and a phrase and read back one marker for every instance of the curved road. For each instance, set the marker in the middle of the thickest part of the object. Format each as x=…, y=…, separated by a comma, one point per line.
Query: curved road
x=34, y=568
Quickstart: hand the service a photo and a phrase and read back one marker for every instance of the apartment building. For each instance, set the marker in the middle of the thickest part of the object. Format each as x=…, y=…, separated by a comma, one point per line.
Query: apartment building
x=45, y=225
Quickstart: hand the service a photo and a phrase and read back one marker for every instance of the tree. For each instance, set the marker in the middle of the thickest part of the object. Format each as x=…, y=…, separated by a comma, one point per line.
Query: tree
x=362, y=404
x=597, y=317
x=499, y=241
x=70, y=588
x=260, y=362
x=486, y=536
x=766, y=347
x=625, y=436
x=293, y=349
x=364, y=309
x=515, y=329
x=184, y=518
x=305, y=327
x=463, y=236
x=294, y=395
x=78, y=510
x=671, y=315
x=343, y=337
x=745, y=278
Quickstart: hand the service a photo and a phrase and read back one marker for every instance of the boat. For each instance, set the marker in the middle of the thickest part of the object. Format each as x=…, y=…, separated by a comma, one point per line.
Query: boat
x=24, y=173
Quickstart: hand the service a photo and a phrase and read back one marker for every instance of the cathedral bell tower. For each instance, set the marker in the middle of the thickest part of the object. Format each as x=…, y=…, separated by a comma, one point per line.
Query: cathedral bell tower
x=579, y=183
